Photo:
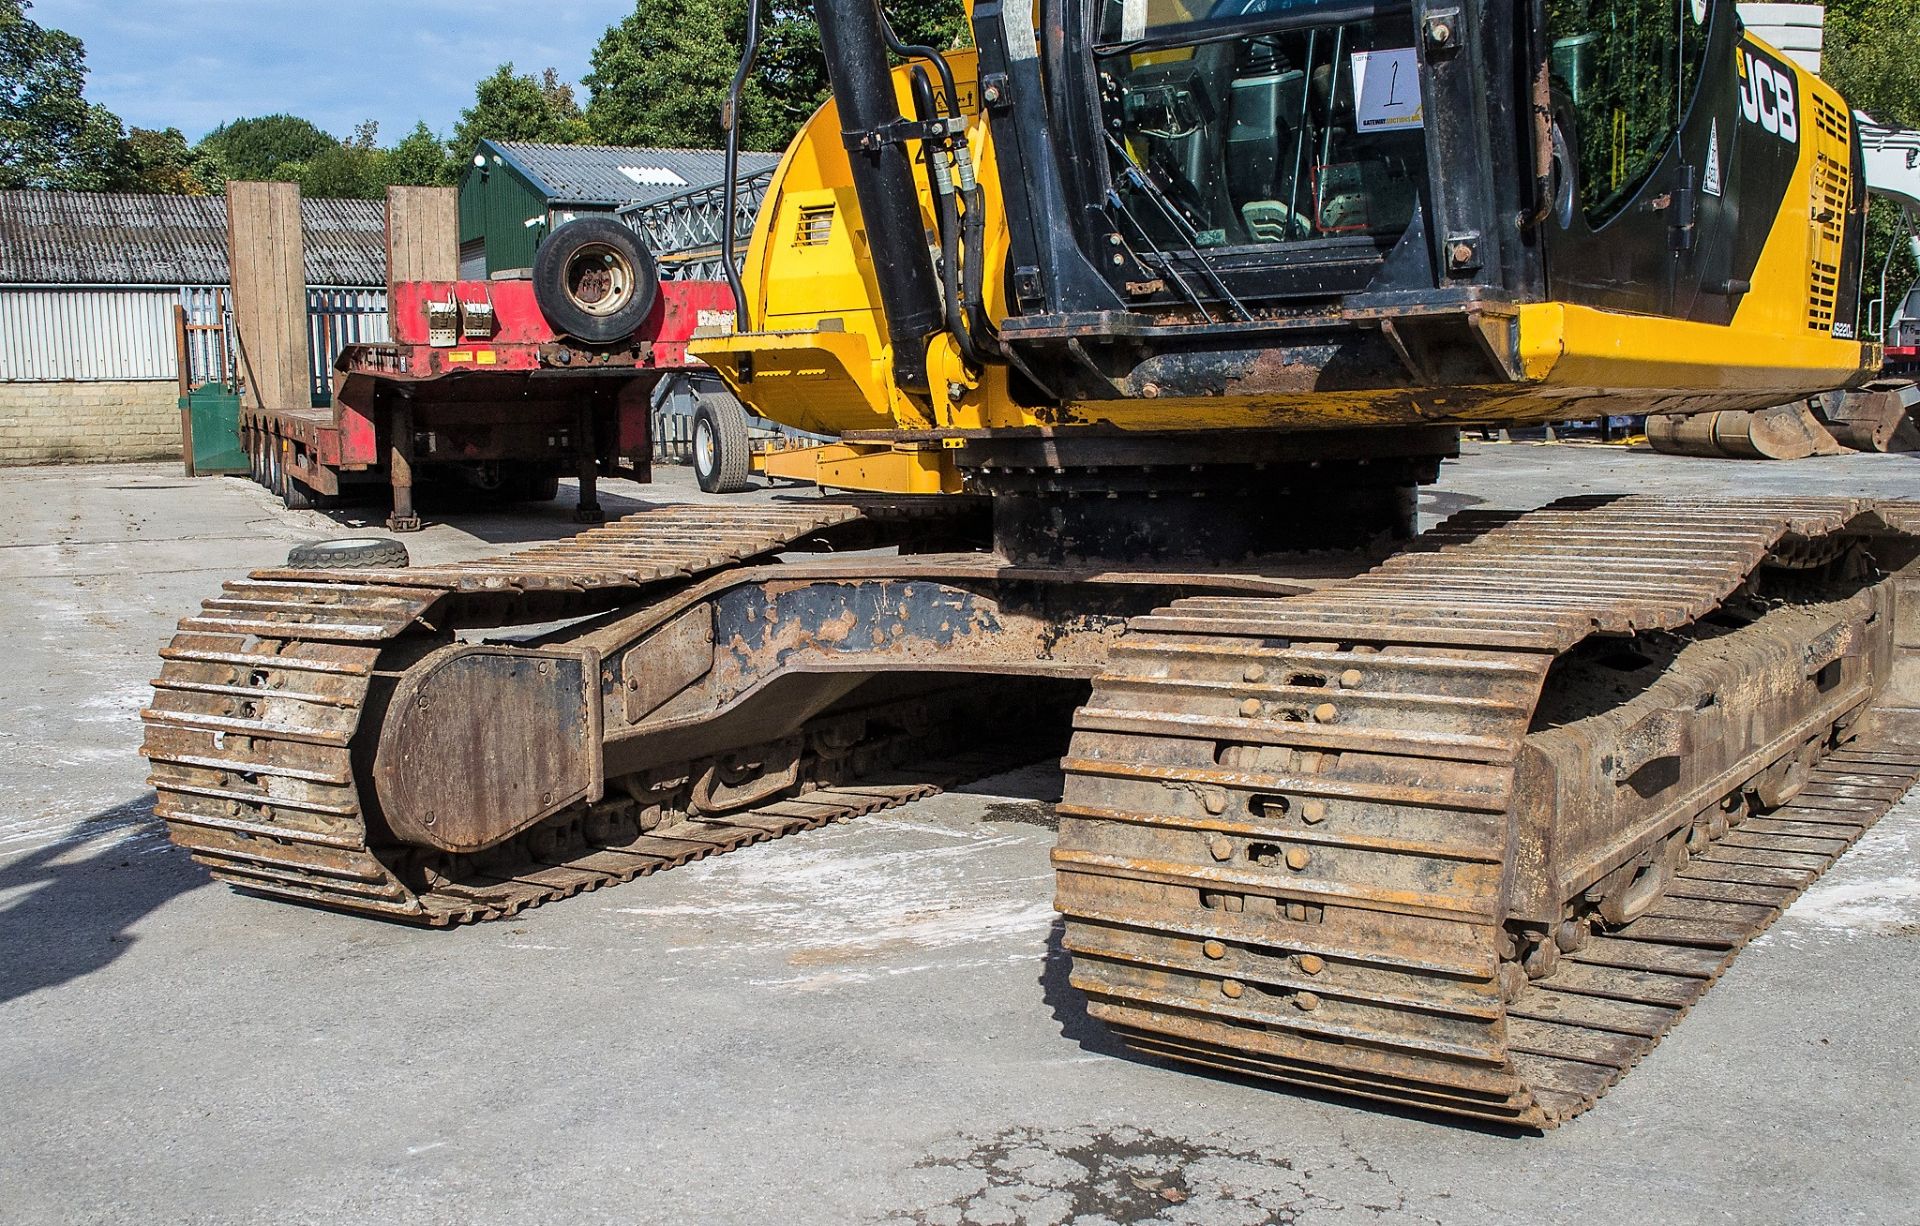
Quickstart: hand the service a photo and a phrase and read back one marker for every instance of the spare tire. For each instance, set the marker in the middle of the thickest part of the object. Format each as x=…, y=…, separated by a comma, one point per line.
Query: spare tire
x=595, y=281
x=351, y=553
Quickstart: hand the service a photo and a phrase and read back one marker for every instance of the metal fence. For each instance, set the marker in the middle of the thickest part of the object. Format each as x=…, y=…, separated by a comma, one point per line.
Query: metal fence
x=337, y=318
x=210, y=356
x=59, y=334
x=87, y=334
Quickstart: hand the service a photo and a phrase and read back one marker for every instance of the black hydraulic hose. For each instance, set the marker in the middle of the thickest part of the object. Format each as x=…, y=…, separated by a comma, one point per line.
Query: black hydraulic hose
x=947, y=220
x=967, y=319
x=917, y=51
x=950, y=280
x=730, y=201
x=973, y=294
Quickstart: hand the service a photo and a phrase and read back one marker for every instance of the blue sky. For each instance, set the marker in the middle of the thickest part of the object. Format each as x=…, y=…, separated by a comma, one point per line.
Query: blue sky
x=195, y=64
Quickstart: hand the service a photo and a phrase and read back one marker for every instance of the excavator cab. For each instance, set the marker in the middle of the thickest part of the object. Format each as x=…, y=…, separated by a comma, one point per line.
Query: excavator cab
x=1435, y=180
x=1155, y=222
x=1267, y=142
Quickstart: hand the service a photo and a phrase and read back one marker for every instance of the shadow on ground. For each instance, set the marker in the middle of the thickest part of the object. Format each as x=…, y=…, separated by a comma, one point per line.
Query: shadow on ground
x=518, y=523
x=65, y=911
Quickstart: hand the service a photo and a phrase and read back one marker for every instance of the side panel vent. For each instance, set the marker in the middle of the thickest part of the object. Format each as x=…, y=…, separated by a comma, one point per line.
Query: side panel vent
x=816, y=226
x=1831, y=190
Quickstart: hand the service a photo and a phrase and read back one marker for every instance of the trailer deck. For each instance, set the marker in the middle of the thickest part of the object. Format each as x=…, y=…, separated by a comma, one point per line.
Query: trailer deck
x=478, y=387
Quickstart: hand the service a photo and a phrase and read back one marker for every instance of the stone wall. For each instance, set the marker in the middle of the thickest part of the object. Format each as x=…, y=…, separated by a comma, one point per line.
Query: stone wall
x=62, y=423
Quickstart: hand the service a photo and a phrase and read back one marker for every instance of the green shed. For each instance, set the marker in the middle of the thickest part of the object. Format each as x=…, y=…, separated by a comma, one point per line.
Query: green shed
x=515, y=193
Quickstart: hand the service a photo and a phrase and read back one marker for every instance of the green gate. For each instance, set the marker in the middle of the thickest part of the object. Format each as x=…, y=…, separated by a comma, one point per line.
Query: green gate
x=210, y=424
x=209, y=391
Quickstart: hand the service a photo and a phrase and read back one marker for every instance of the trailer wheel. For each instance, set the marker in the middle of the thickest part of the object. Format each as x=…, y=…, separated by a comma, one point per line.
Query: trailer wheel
x=352, y=553
x=542, y=487
x=595, y=280
x=721, y=454
x=303, y=497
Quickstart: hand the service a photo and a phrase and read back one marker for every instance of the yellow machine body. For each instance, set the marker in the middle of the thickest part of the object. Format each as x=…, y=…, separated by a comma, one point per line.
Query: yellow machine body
x=818, y=357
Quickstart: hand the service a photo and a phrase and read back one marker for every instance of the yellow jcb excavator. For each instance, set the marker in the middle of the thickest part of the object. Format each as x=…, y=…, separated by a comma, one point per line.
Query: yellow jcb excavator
x=1140, y=324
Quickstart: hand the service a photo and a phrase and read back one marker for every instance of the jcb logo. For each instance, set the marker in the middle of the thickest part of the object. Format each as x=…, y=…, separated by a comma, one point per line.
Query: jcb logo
x=1767, y=97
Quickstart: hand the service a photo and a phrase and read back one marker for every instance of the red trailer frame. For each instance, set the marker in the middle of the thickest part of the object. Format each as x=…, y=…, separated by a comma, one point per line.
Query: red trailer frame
x=476, y=381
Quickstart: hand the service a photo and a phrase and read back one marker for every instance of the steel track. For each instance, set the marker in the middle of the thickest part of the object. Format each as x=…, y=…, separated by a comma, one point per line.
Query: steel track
x=1287, y=827
x=1286, y=834
x=258, y=715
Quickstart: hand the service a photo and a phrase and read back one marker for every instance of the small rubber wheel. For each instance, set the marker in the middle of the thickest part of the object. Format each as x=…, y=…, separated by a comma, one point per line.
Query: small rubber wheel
x=722, y=458
x=542, y=487
x=350, y=553
x=300, y=496
x=595, y=280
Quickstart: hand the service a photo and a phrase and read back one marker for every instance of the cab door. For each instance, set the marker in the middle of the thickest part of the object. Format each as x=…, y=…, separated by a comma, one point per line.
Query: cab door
x=1641, y=218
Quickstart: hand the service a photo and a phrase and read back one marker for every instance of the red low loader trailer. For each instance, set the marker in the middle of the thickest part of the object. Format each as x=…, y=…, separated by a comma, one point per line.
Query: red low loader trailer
x=478, y=387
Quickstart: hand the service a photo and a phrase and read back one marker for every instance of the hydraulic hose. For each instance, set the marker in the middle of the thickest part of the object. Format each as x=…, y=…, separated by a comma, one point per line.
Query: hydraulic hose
x=730, y=196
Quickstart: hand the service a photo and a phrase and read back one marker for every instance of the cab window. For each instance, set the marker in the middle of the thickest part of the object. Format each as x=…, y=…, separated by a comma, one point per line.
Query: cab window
x=1256, y=123
x=1628, y=68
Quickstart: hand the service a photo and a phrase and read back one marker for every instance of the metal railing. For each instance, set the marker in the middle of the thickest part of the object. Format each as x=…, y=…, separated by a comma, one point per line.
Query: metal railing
x=337, y=318
x=208, y=347
x=684, y=231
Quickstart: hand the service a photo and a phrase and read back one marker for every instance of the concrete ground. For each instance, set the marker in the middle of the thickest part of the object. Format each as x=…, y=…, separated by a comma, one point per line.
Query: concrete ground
x=865, y=1024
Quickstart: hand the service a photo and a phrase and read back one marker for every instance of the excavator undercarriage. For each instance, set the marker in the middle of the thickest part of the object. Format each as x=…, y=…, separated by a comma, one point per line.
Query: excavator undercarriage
x=1467, y=829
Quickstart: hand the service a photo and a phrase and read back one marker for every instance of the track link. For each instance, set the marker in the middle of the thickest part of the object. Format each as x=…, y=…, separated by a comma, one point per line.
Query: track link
x=1288, y=829
x=257, y=718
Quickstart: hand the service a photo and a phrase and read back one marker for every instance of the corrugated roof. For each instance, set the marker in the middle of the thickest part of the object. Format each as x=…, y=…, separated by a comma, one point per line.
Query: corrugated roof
x=618, y=174
x=111, y=238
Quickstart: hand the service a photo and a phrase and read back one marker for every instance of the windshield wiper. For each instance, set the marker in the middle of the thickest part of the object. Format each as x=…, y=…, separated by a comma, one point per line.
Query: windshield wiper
x=1320, y=13
x=1137, y=176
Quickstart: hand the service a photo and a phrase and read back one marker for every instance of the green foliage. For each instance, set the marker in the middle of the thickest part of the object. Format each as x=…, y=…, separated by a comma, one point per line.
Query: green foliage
x=164, y=163
x=660, y=76
x=421, y=160
x=258, y=149
x=50, y=136
x=1872, y=56
x=284, y=148
x=517, y=107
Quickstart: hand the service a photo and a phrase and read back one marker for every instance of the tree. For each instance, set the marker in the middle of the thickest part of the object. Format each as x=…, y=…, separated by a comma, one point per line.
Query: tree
x=518, y=107
x=344, y=171
x=164, y=163
x=660, y=75
x=420, y=160
x=50, y=136
x=259, y=149
x=1870, y=57
x=355, y=168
